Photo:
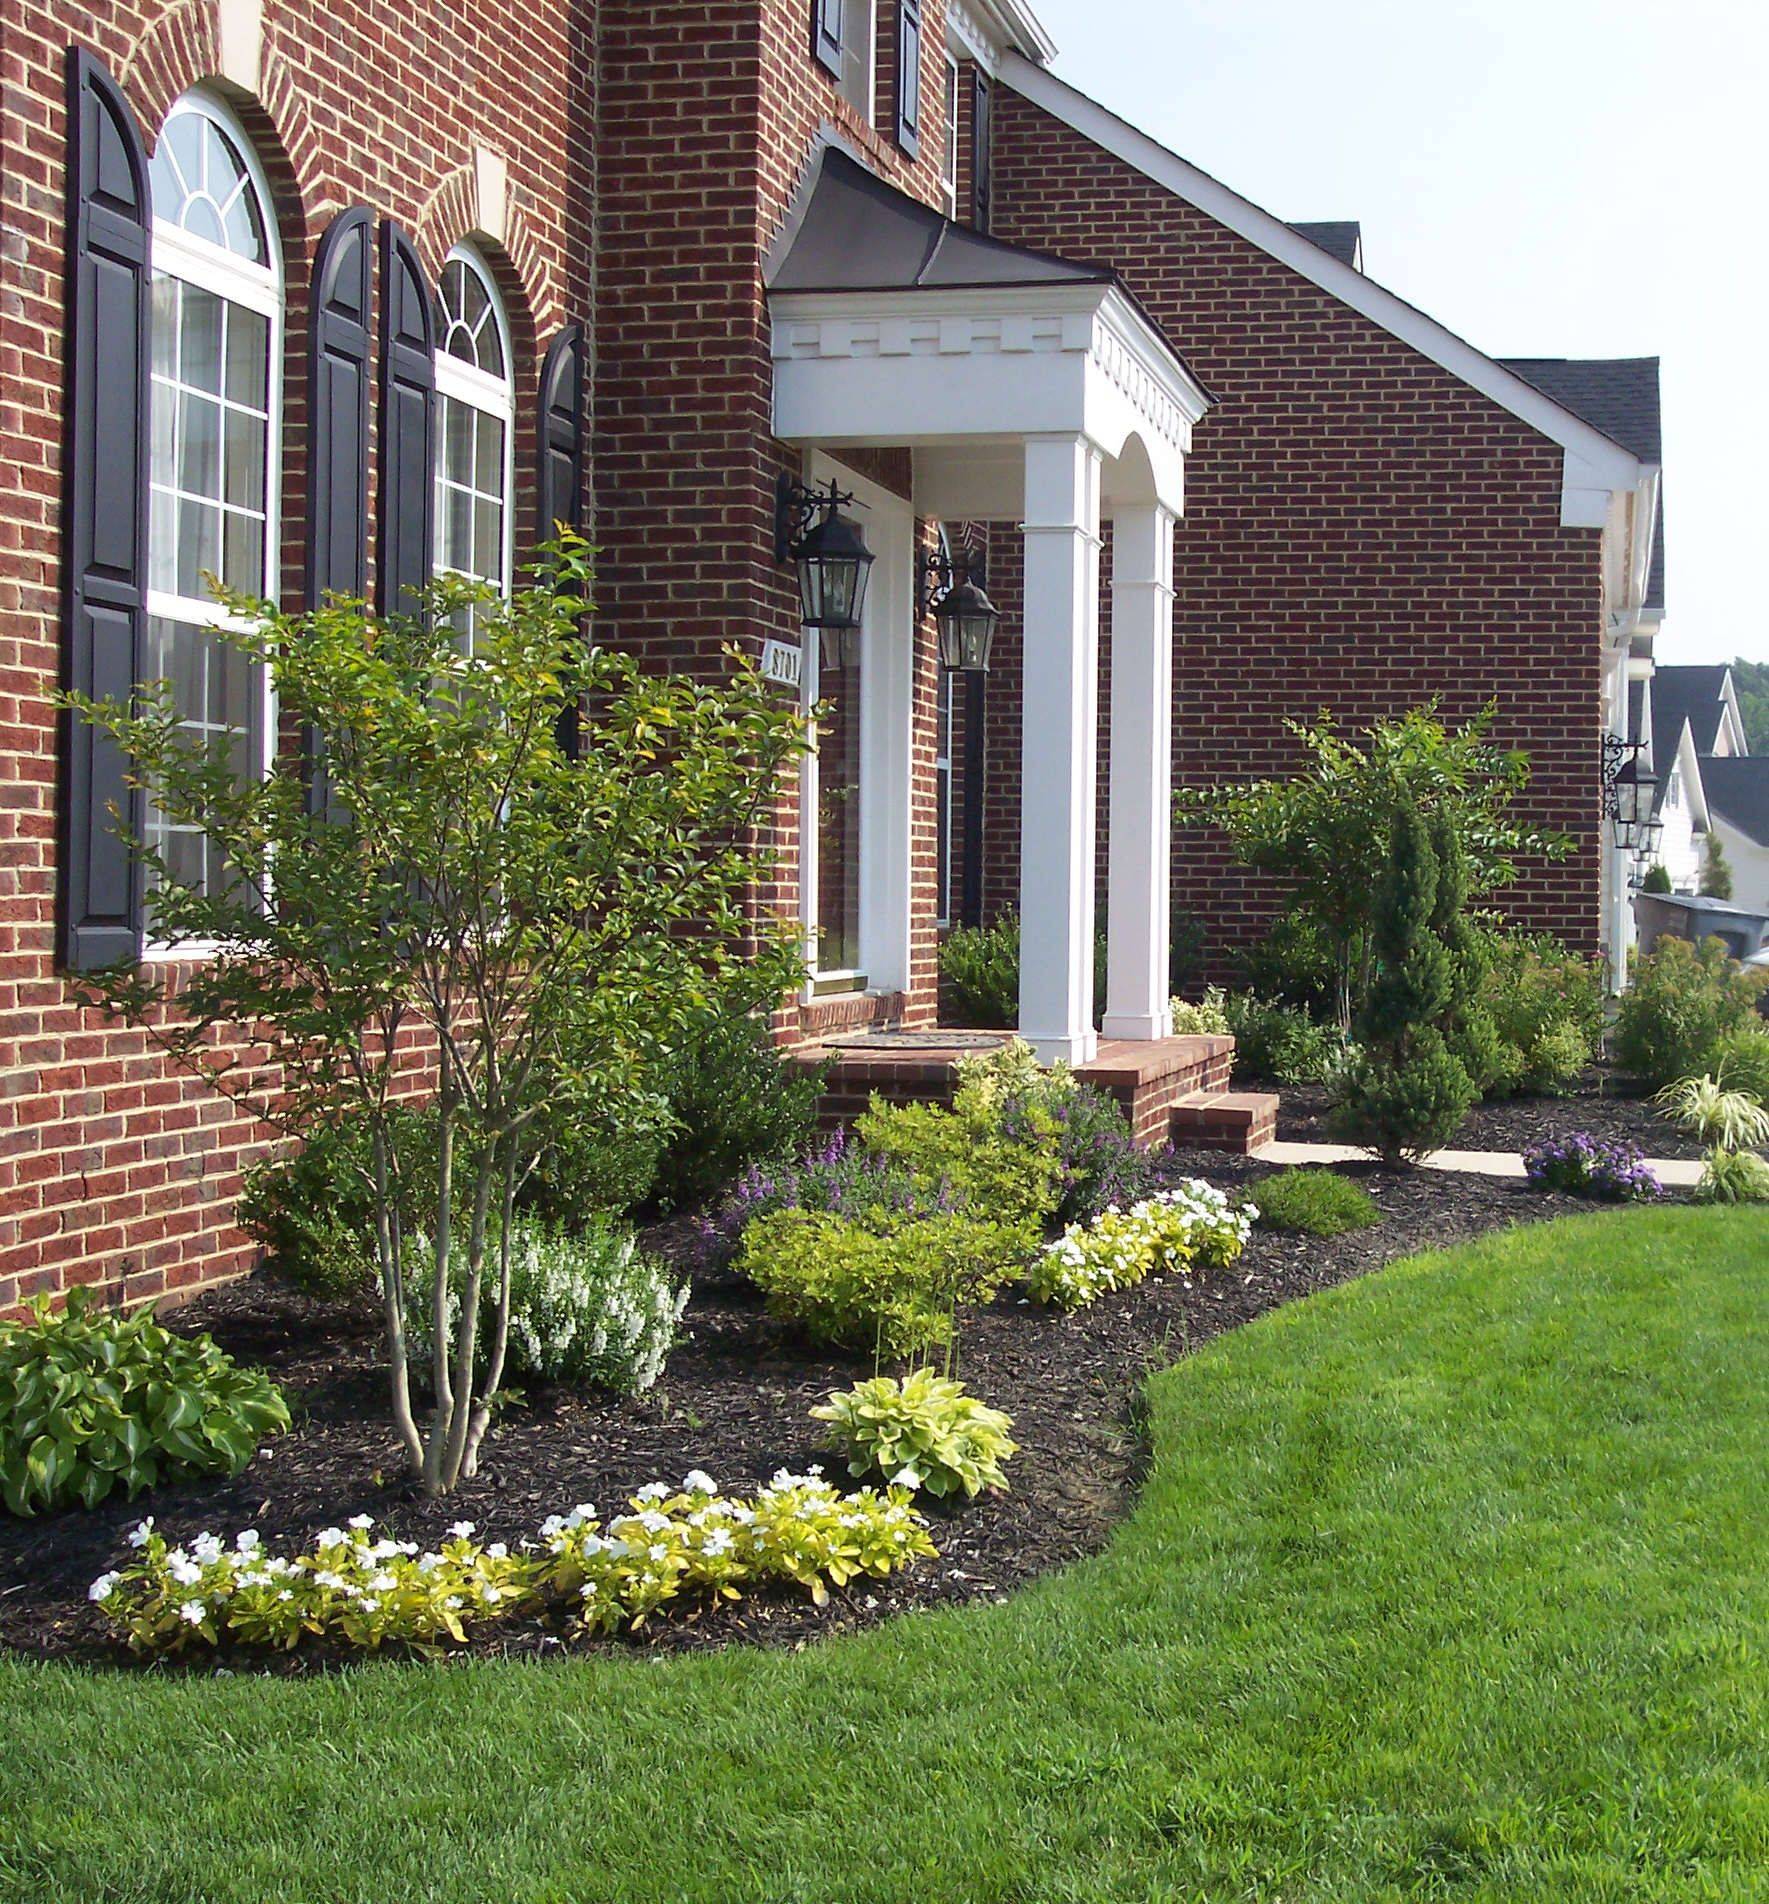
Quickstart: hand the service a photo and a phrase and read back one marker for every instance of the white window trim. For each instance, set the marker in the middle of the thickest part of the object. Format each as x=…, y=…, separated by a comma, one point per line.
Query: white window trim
x=462, y=382
x=949, y=152
x=181, y=254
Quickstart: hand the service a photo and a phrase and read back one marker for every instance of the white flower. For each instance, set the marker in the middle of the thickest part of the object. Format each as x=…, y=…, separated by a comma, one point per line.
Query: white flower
x=248, y=1540
x=428, y=1563
x=362, y=1522
x=498, y=1550
x=330, y=1537
x=653, y=1491
x=206, y=1547
x=383, y=1583
x=194, y=1611
x=906, y=1477
x=186, y=1572
x=717, y=1542
x=103, y=1586
x=370, y=1606
x=652, y=1521
x=699, y=1482
x=285, y=1594
x=492, y=1595
x=325, y=1579
x=585, y=1510
x=462, y=1530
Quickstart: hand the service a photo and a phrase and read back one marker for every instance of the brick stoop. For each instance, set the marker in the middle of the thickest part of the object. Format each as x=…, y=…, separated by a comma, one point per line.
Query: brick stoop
x=1239, y=1121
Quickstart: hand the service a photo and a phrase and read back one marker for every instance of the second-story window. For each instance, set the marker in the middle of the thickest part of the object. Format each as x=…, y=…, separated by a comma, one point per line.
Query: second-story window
x=844, y=36
x=949, y=149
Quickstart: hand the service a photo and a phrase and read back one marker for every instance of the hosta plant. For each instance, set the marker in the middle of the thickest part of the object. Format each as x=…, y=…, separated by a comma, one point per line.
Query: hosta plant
x=92, y=1401
x=921, y=1432
x=695, y=1541
x=348, y=1586
x=1191, y=1225
x=1733, y=1120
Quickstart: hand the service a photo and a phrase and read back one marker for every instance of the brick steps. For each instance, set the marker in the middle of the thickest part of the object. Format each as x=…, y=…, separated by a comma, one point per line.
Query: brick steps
x=1238, y=1121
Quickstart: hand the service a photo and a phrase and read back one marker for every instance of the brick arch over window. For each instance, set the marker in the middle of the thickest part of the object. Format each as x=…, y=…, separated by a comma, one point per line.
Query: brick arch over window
x=180, y=49
x=450, y=216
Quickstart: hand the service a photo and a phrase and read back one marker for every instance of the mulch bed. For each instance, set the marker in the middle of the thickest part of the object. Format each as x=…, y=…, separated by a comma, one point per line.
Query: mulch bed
x=1604, y=1105
x=734, y=1399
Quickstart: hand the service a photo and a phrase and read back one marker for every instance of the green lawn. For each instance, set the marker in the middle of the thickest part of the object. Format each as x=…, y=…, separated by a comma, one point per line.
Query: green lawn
x=1450, y=1583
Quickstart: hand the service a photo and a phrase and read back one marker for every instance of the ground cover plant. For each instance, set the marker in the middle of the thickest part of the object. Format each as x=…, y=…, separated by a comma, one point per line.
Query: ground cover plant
x=1315, y=1202
x=1190, y=1225
x=550, y=924
x=1544, y=1448
x=92, y=1401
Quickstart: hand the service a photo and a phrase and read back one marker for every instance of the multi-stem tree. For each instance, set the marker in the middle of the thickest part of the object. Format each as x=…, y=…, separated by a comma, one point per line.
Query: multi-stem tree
x=474, y=913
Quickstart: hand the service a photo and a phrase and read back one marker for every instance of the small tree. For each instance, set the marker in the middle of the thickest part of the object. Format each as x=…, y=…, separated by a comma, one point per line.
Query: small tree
x=1657, y=880
x=1469, y=1030
x=1326, y=831
x=1406, y=1094
x=1716, y=871
x=478, y=914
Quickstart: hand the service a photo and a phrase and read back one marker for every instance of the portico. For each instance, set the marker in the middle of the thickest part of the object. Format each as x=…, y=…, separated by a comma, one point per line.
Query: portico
x=1029, y=389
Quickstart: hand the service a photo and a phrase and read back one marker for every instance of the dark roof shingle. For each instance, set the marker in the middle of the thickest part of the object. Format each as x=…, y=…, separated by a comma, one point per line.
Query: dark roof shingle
x=1695, y=694
x=1343, y=237
x=1738, y=788
x=1620, y=397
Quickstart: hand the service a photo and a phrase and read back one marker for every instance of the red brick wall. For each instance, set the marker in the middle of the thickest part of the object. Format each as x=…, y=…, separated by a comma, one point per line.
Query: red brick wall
x=1363, y=532
x=113, y=1165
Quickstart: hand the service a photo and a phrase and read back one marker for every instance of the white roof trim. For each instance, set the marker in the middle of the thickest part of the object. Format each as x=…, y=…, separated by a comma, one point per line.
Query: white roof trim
x=988, y=28
x=1595, y=467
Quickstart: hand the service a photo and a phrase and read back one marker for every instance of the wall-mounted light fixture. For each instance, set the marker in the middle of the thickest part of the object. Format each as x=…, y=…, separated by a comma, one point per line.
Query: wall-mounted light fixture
x=1627, y=792
x=827, y=549
x=963, y=614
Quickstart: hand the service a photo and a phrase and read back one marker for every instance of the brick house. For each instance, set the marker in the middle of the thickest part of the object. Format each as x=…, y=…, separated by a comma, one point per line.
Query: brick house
x=326, y=299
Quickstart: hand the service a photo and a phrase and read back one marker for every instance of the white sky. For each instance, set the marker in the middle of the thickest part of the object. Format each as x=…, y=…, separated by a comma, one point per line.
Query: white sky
x=1550, y=178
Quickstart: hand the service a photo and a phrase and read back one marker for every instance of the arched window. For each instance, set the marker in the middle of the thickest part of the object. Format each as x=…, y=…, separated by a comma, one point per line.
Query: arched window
x=214, y=457
x=474, y=426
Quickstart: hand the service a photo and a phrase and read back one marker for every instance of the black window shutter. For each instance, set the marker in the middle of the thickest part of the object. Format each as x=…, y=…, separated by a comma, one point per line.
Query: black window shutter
x=559, y=481
x=408, y=426
x=338, y=408
x=338, y=318
x=559, y=475
x=981, y=128
x=826, y=34
x=909, y=76
x=104, y=508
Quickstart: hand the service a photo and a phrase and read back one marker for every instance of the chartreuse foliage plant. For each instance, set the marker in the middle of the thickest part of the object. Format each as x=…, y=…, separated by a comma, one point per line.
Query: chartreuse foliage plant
x=882, y=1284
x=1447, y=1580
x=92, y=1401
x=921, y=1432
x=697, y=1541
x=1741, y=1062
x=1707, y=1110
x=1315, y=1202
x=553, y=924
x=1190, y=1226
x=367, y=1592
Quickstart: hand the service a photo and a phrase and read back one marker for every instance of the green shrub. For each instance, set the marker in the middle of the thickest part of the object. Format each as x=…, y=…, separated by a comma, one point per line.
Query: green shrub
x=1657, y=880
x=1741, y=1062
x=1206, y=1019
x=1282, y=1043
x=1404, y=1112
x=312, y=1211
x=887, y=1286
x=92, y=1401
x=1733, y=1176
x=1546, y=1004
x=1315, y=1203
x=1293, y=965
x=586, y=1307
x=921, y=1432
x=589, y=1165
x=981, y=968
x=1684, y=1000
x=735, y=1100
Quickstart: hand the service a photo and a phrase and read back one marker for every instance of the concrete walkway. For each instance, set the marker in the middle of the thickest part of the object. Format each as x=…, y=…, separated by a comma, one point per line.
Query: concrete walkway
x=1672, y=1172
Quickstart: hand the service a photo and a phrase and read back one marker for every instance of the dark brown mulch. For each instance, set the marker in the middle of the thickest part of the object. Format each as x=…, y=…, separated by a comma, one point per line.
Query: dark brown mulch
x=734, y=1400
x=1608, y=1108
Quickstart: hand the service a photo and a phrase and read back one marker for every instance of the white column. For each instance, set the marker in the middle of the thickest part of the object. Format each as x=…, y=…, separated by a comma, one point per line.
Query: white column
x=1059, y=747
x=1140, y=849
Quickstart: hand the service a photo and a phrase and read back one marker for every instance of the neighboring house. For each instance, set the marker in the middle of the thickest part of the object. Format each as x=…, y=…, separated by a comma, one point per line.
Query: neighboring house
x=1708, y=784
x=274, y=270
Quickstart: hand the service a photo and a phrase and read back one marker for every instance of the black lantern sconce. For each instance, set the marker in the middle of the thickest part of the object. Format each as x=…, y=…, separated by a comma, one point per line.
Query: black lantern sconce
x=963, y=614
x=1627, y=792
x=831, y=557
